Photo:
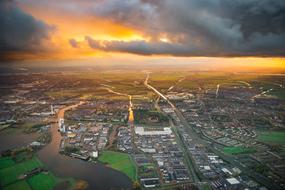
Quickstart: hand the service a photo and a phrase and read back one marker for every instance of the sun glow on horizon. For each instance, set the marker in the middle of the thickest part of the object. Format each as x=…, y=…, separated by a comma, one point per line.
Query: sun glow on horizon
x=76, y=26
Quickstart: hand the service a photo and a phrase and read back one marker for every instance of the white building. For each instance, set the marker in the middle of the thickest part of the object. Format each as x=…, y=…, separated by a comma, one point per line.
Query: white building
x=233, y=181
x=61, y=125
x=141, y=131
x=94, y=154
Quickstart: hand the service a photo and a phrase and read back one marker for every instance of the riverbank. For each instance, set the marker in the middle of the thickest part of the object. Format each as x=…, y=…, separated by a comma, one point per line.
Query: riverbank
x=21, y=169
x=92, y=176
x=98, y=176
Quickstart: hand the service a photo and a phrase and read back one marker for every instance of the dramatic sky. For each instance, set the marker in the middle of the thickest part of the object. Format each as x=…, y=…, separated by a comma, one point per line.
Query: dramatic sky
x=183, y=30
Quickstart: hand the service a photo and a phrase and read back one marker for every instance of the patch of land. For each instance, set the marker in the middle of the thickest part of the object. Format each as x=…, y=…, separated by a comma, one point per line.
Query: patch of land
x=119, y=161
x=23, y=170
x=238, y=150
x=150, y=118
x=272, y=137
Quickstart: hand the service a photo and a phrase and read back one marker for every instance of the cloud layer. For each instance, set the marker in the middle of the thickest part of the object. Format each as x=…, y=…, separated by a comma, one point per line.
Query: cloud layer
x=217, y=28
x=19, y=31
x=197, y=27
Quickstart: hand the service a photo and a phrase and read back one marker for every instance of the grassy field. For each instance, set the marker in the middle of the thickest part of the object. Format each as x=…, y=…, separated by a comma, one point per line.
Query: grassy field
x=19, y=185
x=6, y=162
x=43, y=181
x=125, y=82
x=238, y=150
x=10, y=174
x=119, y=161
x=21, y=163
x=63, y=93
x=272, y=137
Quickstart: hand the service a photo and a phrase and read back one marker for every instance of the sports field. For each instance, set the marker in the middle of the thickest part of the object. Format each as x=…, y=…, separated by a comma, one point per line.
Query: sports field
x=272, y=137
x=119, y=161
x=238, y=150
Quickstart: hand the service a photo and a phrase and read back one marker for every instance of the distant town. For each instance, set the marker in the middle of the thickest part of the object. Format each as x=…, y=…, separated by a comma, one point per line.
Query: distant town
x=183, y=130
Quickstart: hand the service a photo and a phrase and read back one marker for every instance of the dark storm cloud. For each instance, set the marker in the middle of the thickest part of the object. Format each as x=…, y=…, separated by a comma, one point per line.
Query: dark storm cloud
x=198, y=27
x=194, y=27
x=20, y=31
x=142, y=47
x=73, y=43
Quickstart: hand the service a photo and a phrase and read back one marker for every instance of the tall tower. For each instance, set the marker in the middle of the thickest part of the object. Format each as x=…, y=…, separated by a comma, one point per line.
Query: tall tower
x=61, y=125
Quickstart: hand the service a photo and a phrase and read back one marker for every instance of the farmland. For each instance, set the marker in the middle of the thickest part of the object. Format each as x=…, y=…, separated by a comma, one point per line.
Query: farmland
x=17, y=171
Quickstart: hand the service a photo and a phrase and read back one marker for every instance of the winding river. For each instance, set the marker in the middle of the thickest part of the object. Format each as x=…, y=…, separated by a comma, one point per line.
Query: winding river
x=98, y=176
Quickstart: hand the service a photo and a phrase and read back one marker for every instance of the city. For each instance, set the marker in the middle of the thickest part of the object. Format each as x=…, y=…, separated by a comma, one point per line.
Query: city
x=142, y=95
x=169, y=131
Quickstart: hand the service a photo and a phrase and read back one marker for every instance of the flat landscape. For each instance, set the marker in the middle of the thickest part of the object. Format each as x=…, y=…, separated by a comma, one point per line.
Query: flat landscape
x=272, y=137
x=17, y=173
x=119, y=161
x=158, y=129
x=142, y=95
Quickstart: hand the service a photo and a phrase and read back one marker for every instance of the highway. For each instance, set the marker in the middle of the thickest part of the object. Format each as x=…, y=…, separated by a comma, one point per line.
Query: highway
x=190, y=163
x=156, y=91
x=196, y=138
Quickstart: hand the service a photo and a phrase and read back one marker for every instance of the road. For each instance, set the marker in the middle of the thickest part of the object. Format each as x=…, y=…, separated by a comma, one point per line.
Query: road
x=130, y=109
x=190, y=163
x=262, y=93
x=217, y=91
x=156, y=91
x=180, y=80
x=219, y=85
x=196, y=138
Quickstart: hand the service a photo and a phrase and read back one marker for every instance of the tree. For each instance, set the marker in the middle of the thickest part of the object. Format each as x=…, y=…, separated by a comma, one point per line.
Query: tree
x=136, y=185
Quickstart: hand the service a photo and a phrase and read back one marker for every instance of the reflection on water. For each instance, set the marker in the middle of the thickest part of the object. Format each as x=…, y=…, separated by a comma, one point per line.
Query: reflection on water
x=98, y=176
x=10, y=141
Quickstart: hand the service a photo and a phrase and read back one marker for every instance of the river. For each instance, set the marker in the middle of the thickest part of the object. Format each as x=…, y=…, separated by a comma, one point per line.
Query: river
x=98, y=176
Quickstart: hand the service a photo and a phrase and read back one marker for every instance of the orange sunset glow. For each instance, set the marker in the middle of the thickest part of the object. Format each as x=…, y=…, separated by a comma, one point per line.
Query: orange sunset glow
x=142, y=94
x=90, y=30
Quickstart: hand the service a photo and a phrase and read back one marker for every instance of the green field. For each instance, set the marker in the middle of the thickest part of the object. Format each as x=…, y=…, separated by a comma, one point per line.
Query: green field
x=43, y=181
x=21, y=185
x=11, y=168
x=6, y=162
x=238, y=150
x=10, y=174
x=63, y=93
x=119, y=161
x=272, y=137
